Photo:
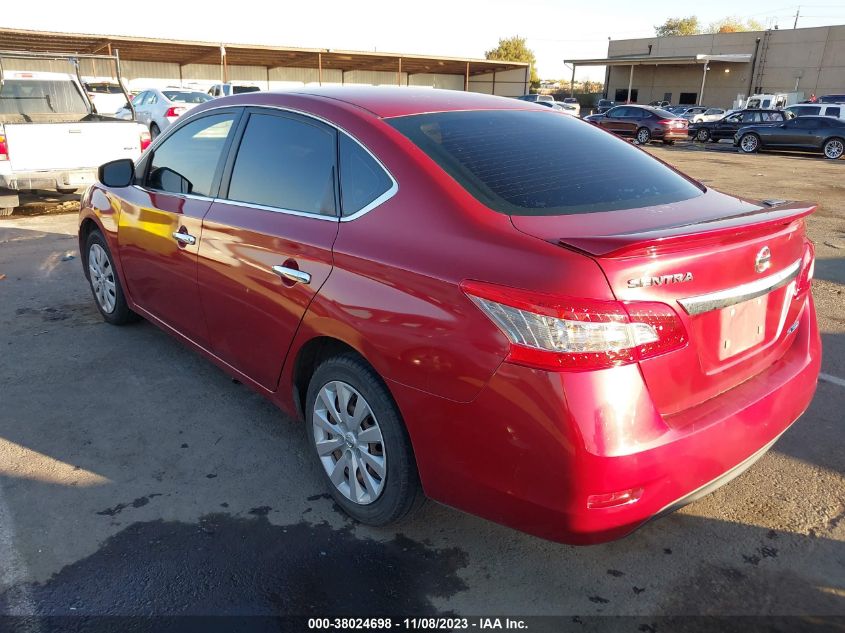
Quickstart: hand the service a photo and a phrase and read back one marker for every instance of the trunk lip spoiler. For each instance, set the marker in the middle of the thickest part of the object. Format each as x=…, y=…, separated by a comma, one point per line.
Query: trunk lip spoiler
x=744, y=292
x=622, y=244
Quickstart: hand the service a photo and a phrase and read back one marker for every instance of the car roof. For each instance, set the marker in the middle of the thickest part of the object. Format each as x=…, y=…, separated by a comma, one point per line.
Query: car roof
x=389, y=102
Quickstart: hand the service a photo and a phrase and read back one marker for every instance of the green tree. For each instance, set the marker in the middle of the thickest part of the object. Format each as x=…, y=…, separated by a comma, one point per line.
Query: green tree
x=515, y=49
x=734, y=25
x=678, y=26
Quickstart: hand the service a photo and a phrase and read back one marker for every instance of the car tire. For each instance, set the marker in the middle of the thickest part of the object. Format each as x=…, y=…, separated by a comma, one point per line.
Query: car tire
x=833, y=148
x=154, y=131
x=643, y=136
x=6, y=211
x=749, y=143
x=105, y=282
x=378, y=497
x=703, y=135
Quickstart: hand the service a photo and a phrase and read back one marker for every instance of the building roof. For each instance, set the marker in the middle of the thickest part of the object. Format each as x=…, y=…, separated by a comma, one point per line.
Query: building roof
x=186, y=52
x=658, y=60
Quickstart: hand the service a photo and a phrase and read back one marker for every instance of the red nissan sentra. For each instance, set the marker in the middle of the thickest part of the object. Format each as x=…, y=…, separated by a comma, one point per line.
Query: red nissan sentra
x=469, y=298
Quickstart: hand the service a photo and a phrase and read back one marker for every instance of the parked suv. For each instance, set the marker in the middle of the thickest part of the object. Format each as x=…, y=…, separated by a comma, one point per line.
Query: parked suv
x=726, y=127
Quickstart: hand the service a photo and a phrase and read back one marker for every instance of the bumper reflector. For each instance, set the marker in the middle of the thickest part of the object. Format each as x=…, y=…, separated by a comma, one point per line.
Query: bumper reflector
x=613, y=499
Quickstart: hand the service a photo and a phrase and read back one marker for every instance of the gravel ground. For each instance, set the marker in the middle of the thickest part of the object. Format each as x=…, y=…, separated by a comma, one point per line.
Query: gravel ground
x=136, y=478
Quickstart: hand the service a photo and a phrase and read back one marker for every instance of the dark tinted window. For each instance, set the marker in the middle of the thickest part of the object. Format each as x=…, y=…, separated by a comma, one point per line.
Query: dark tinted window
x=362, y=179
x=807, y=111
x=242, y=89
x=832, y=112
x=285, y=163
x=187, y=161
x=542, y=163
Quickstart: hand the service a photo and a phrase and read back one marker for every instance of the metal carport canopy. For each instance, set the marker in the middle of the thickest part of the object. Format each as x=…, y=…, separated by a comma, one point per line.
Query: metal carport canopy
x=184, y=52
x=648, y=60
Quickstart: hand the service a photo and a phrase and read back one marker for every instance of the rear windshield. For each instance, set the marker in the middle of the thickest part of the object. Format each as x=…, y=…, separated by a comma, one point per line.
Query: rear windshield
x=542, y=163
x=104, y=89
x=186, y=96
x=26, y=97
x=238, y=90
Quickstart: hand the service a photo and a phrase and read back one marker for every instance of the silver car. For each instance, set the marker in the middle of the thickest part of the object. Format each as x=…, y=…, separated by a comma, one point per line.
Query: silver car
x=157, y=109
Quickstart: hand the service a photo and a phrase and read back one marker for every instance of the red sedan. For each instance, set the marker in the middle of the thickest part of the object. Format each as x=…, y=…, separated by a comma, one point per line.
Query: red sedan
x=469, y=298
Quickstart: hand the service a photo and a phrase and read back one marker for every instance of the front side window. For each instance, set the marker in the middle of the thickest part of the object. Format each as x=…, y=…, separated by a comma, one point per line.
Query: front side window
x=542, y=163
x=187, y=161
x=362, y=179
x=286, y=163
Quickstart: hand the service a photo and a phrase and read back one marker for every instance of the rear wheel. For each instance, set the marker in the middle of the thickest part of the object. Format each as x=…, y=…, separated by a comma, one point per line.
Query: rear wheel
x=360, y=443
x=154, y=131
x=104, y=282
x=834, y=148
x=643, y=136
x=703, y=135
x=749, y=143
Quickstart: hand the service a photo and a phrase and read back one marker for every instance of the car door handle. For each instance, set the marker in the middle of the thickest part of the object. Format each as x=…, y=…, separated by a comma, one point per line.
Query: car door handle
x=184, y=238
x=292, y=274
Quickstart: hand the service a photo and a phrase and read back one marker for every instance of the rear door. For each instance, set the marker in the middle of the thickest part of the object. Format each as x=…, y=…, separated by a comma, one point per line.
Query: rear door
x=726, y=127
x=160, y=224
x=267, y=241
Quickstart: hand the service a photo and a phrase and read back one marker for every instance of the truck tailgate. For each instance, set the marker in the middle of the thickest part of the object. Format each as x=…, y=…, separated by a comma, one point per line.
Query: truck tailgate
x=43, y=146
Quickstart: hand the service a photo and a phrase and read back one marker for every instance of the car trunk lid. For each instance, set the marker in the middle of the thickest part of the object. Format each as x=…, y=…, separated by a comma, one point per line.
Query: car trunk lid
x=728, y=267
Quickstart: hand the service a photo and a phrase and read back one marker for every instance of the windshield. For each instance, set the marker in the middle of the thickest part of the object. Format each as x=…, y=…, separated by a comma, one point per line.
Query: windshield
x=186, y=96
x=26, y=97
x=542, y=163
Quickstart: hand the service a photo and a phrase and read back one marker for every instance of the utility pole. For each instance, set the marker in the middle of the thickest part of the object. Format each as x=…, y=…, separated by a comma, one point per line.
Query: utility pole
x=797, y=13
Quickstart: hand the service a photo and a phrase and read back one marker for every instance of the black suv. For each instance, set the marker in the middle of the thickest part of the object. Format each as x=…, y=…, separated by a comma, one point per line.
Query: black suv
x=727, y=126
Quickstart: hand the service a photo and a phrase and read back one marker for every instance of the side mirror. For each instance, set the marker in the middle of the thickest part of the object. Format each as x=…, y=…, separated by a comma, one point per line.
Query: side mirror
x=117, y=173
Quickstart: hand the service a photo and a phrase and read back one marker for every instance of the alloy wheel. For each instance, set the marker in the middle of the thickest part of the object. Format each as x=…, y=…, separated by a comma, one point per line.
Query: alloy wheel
x=349, y=442
x=749, y=143
x=643, y=136
x=102, y=278
x=703, y=135
x=834, y=148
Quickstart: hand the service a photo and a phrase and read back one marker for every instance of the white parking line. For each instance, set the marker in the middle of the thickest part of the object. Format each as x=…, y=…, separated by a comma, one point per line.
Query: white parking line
x=13, y=573
x=832, y=379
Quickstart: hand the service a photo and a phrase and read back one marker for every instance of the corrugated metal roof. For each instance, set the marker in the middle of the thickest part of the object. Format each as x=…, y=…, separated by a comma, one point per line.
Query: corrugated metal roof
x=190, y=52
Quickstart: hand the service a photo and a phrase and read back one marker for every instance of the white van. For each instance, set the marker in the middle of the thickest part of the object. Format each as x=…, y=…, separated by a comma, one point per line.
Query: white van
x=835, y=110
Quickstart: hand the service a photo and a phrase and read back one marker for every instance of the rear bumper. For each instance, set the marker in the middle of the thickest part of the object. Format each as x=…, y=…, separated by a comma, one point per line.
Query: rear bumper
x=51, y=180
x=534, y=446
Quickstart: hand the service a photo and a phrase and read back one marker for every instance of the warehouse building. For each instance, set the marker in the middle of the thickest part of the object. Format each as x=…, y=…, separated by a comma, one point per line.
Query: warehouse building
x=723, y=69
x=148, y=62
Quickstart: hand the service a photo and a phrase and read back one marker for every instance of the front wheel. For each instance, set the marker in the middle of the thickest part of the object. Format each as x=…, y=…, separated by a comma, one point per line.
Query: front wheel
x=749, y=143
x=360, y=443
x=643, y=136
x=703, y=135
x=104, y=282
x=834, y=148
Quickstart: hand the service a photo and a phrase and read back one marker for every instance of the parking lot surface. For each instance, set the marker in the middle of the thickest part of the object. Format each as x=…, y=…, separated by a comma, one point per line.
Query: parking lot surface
x=137, y=478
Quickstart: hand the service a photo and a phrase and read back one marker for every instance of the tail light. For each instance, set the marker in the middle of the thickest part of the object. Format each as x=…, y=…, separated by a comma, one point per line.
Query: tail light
x=805, y=274
x=174, y=111
x=146, y=139
x=4, y=148
x=573, y=334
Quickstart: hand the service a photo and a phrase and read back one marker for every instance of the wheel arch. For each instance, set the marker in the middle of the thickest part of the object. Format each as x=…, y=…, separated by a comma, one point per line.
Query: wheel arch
x=86, y=227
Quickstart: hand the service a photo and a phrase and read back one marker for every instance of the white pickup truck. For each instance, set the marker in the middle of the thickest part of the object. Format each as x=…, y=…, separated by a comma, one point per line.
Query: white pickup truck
x=51, y=139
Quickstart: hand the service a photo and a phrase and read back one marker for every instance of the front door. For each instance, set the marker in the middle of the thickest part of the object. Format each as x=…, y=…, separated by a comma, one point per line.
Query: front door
x=161, y=222
x=267, y=241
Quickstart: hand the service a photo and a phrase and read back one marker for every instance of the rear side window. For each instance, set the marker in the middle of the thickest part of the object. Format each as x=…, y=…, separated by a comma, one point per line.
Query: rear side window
x=285, y=163
x=542, y=163
x=186, y=162
x=362, y=179
x=832, y=112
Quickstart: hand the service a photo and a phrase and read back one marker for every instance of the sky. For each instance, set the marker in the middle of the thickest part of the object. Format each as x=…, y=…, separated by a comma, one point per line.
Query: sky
x=555, y=30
